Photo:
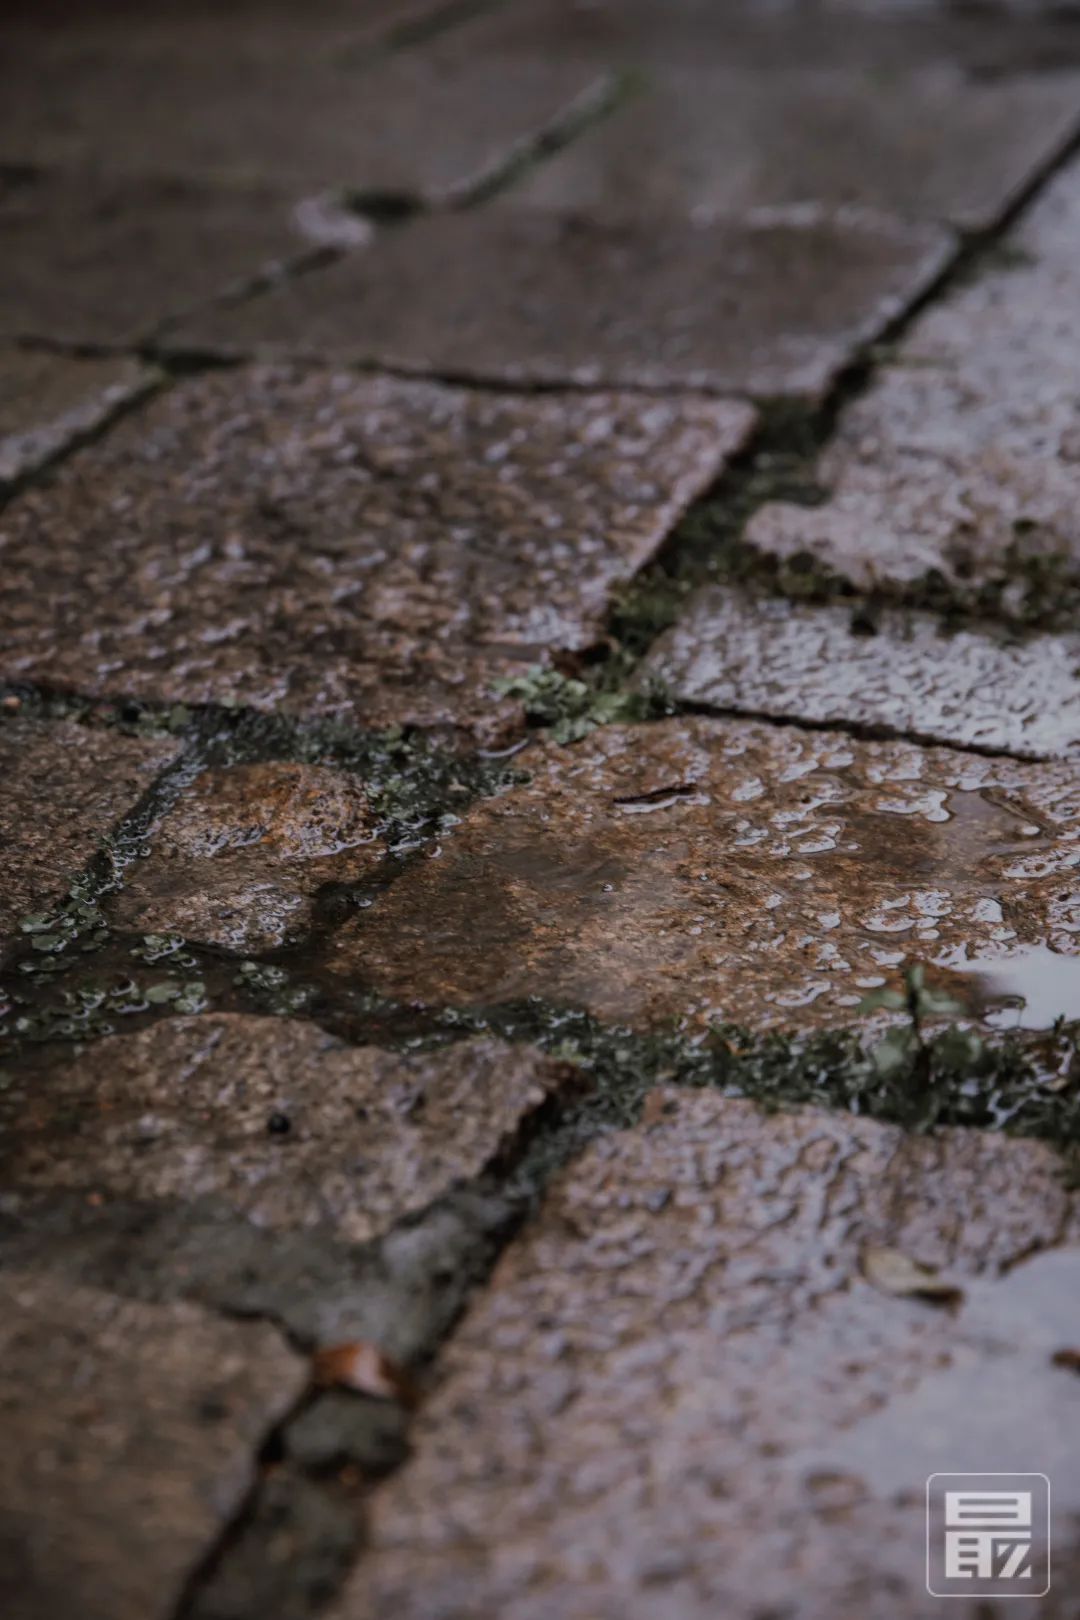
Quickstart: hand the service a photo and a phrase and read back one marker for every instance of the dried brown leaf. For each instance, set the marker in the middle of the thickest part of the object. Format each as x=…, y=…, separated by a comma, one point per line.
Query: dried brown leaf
x=362, y=1366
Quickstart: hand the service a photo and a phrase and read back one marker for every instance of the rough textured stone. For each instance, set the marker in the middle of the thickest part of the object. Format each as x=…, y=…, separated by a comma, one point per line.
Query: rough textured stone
x=666, y=1402
x=48, y=402
x=266, y=106
x=902, y=672
x=130, y=1438
x=272, y=1118
x=964, y=455
x=62, y=788
x=207, y=21
x=723, y=141
x=239, y=857
x=704, y=869
x=335, y=544
x=868, y=37
x=104, y=261
x=774, y=306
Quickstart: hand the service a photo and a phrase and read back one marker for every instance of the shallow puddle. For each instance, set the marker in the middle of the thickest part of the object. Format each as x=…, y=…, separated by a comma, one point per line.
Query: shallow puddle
x=1029, y=990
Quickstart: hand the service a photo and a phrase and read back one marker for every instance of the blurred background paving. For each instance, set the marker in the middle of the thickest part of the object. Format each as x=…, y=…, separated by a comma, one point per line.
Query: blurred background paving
x=539, y=735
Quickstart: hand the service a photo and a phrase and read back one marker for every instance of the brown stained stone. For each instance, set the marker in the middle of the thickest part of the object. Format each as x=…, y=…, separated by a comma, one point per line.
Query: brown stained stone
x=282, y=109
x=901, y=672
x=343, y=545
x=964, y=455
x=107, y=262
x=62, y=788
x=666, y=1403
x=273, y=1119
x=773, y=306
x=49, y=402
x=928, y=144
x=130, y=1438
x=238, y=859
x=706, y=870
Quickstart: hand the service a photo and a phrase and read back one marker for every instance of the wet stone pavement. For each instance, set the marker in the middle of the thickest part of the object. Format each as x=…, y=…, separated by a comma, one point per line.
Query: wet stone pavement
x=540, y=804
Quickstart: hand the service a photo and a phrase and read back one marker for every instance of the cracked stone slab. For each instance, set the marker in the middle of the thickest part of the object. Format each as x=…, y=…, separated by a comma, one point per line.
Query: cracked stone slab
x=238, y=859
x=699, y=870
x=104, y=261
x=284, y=109
x=272, y=1119
x=62, y=788
x=930, y=144
x=775, y=305
x=680, y=1394
x=963, y=457
x=130, y=1438
x=903, y=672
x=48, y=402
x=340, y=545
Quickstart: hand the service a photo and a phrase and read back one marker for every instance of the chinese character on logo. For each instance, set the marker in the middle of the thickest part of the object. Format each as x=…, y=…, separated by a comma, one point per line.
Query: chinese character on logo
x=988, y=1535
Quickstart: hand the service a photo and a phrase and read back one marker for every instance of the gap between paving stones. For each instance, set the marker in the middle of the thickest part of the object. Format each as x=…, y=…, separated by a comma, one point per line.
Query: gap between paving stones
x=775, y=1064
x=623, y=1069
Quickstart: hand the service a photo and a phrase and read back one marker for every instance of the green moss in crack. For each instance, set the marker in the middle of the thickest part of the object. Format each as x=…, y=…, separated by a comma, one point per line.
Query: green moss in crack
x=93, y=1008
x=570, y=708
x=1025, y=1083
x=416, y=785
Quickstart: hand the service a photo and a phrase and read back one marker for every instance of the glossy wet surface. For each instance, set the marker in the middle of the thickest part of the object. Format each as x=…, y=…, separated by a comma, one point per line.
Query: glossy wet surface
x=539, y=803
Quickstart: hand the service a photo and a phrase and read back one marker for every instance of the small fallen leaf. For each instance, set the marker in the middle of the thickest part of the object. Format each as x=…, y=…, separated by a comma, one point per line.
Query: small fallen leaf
x=362, y=1366
x=895, y=1273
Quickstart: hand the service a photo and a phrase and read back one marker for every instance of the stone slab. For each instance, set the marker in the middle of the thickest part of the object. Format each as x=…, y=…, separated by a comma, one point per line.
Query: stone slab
x=333, y=544
x=775, y=306
x=272, y=1119
x=681, y=1396
x=698, y=870
x=900, y=672
x=49, y=402
x=62, y=788
x=238, y=859
x=95, y=261
x=131, y=1434
x=987, y=41
x=206, y=21
x=963, y=457
x=283, y=109
x=930, y=144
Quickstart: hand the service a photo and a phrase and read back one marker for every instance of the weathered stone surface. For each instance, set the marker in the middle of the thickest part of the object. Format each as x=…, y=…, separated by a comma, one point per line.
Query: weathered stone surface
x=48, y=402
x=928, y=144
x=964, y=455
x=105, y=261
x=239, y=857
x=62, y=788
x=667, y=1402
x=335, y=544
x=295, y=112
x=130, y=1438
x=272, y=1118
x=205, y=21
x=703, y=869
x=901, y=671
x=774, y=306
x=882, y=40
